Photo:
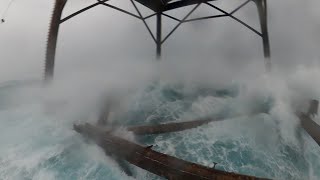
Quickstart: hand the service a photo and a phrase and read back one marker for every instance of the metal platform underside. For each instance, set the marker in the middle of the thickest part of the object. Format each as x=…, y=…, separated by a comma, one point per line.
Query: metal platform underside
x=166, y=5
x=159, y=7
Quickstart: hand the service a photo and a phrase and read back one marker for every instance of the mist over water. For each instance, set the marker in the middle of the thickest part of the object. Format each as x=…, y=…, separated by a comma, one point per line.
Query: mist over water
x=209, y=68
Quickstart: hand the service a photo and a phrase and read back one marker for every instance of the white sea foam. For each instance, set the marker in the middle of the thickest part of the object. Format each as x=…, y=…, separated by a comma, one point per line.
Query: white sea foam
x=38, y=141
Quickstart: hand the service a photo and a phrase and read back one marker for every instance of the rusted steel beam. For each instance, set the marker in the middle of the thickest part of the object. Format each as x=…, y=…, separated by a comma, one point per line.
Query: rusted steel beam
x=263, y=16
x=53, y=38
x=170, y=127
x=313, y=108
x=155, y=162
x=312, y=128
x=159, y=35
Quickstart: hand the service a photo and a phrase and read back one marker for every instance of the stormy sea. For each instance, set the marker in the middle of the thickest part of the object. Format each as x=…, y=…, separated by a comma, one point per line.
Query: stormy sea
x=38, y=142
x=207, y=70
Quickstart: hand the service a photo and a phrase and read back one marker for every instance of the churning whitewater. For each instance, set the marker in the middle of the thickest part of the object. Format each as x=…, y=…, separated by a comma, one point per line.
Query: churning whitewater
x=207, y=70
x=38, y=142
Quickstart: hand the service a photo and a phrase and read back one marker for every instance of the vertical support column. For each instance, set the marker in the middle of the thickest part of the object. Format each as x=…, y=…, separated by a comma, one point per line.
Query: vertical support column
x=52, y=39
x=159, y=33
x=262, y=10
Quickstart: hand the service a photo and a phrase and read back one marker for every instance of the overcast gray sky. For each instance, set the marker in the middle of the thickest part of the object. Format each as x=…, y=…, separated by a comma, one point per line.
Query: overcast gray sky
x=102, y=36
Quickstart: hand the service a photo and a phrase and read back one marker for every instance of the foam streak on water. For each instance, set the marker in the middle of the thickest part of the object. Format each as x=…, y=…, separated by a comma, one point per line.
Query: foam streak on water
x=39, y=144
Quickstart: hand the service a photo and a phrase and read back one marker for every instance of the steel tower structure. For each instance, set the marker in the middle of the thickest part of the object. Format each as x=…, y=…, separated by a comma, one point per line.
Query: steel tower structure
x=159, y=8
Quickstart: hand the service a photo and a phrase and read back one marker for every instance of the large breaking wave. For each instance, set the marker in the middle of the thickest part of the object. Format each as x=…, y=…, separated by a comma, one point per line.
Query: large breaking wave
x=37, y=140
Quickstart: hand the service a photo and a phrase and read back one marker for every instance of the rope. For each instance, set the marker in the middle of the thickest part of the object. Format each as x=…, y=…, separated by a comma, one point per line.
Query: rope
x=4, y=14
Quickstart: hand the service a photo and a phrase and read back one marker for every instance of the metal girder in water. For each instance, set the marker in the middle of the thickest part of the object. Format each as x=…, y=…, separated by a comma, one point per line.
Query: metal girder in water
x=173, y=127
x=155, y=162
x=312, y=128
x=170, y=127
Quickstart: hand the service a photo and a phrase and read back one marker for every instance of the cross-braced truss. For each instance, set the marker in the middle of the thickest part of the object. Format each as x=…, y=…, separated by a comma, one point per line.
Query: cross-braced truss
x=159, y=7
x=144, y=157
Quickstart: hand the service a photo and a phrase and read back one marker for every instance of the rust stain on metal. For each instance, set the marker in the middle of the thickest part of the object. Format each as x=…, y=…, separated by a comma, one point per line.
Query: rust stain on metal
x=53, y=38
x=176, y=127
x=313, y=108
x=312, y=128
x=155, y=162
x=170, y=127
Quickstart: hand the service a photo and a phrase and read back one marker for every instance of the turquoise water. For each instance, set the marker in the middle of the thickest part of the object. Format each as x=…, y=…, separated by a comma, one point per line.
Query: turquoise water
x=37, y=143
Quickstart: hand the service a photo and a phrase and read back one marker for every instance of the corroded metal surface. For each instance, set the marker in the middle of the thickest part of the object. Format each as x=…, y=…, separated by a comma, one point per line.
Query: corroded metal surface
x=170, y=127
x=312, y=128
x=313, y=108
x=263, y=16
x=53, y=37
x=155, y=162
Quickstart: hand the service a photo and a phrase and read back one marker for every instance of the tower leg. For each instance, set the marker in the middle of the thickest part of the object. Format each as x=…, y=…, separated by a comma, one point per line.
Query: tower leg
x=159, y=32
x=262, y=10
x=52, y=39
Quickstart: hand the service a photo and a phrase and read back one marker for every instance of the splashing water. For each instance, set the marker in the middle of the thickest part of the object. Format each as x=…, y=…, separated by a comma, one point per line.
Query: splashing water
x=40, y=144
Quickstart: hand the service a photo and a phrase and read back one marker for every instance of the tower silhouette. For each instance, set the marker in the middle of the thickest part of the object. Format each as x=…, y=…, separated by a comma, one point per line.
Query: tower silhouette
x=159, y=8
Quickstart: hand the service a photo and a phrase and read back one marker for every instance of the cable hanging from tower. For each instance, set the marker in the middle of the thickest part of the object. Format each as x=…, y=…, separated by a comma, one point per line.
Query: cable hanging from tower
x=5, y=12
